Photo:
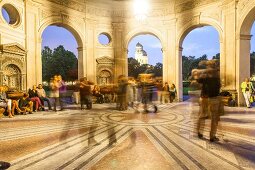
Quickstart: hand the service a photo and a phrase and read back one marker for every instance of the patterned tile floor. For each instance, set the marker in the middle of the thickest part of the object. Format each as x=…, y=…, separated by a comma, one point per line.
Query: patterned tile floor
x=104, y=138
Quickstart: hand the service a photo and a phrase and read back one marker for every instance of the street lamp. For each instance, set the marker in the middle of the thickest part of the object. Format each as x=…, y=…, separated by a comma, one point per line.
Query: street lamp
x=141, y=9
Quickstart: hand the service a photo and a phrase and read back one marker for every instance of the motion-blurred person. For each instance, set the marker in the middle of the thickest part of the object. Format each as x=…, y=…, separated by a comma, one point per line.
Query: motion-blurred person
x=210, y=100
x=121, y=93
x=97, y=93
x=147, y=85
x=165, y=93
x=247, y=89
x=159, y=90
x=85, y=93
x=131, y=92
x=62, y=91
x=42, y=95
x=54, y=94
x=172, y=91
x=76, y=93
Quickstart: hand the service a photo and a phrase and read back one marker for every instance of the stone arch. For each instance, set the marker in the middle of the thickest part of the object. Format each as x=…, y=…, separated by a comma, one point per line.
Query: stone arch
x=71, y=26
x=187, y=28
x=247, y=19
x=58, y=21
x=243, y=34
x=141, y=31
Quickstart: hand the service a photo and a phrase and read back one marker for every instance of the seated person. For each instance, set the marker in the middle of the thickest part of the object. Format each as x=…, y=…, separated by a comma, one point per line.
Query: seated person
x=4, y=103
x=9, y=104
x=42, y=95
x=34, y=98
x=25, y=104
x=96, y=92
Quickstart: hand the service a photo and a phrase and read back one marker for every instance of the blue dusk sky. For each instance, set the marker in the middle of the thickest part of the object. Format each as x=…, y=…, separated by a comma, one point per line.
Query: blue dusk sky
x=200, y=41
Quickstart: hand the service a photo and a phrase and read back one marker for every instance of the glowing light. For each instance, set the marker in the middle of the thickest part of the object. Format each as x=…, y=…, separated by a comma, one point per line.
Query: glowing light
x=141, y=9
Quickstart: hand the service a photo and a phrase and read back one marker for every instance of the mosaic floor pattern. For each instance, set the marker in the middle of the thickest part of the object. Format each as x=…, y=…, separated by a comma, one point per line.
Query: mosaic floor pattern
x=106, y=139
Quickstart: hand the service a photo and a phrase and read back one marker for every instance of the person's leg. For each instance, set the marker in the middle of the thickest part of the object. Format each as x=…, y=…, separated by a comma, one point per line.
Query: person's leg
x=55, y=103
x=202, y=115
x=30, y=106
x=214, y=111
x=34, y=99
x=48, y=102
x=246, y=99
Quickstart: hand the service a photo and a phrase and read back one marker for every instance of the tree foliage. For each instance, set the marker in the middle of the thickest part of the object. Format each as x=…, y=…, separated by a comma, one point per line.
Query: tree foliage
x=134, y=68
x=189, y=63
x=59, y=61
x=252, y=68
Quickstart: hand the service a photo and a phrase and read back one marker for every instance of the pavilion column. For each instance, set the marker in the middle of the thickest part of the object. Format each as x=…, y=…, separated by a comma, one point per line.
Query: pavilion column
x=82, y=63
x=120, y=54
x=38, y=61
x=228, y=53
x=179, y=83
x=243, y=64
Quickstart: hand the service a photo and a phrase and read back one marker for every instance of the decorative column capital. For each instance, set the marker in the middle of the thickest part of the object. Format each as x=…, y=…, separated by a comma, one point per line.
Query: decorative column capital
x=245, y=37
x=81, y=48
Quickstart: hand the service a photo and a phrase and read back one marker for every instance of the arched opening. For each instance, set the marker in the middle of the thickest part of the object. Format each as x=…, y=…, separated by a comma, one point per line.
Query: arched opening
x=245, y=64
x=198, y=45
x=59, y=54
x=145, y=56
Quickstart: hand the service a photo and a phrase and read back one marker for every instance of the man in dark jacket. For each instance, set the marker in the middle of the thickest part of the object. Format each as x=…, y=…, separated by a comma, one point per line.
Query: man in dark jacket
x=210, y=101
x=85, y=93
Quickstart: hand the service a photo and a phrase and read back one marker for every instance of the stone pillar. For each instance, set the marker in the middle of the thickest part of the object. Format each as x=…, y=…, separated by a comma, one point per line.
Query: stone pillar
x=243, y=64
x=179, y=83
x=120, y=54
x=82, y=63
x=229, y=54
x=88, y=55
x=38, y=61
x=32, y=57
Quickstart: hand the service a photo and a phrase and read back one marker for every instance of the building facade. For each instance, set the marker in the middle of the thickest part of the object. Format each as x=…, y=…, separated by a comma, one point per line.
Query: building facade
x=140, y=54
x=169, y=20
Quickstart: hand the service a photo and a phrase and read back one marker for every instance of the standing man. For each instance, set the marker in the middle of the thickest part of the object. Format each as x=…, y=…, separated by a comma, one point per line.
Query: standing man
x=247, y=89
x=85, y=93
x=210, y=101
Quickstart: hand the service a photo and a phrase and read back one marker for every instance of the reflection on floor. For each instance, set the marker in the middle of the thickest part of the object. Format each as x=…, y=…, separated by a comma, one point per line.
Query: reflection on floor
x=104, y=138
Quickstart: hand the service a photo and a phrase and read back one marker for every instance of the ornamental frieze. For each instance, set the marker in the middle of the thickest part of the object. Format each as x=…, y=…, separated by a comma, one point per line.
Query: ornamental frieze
x=70, y=4
x=192, y=4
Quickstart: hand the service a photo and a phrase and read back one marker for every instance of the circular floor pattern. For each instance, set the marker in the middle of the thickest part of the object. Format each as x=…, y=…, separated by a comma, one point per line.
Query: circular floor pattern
x=139, y=119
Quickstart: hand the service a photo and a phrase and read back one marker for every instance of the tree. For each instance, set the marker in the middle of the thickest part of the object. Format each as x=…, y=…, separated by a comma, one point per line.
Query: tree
x=158, y=68
x=217, y=56
x=252, y=68
x=60, y=61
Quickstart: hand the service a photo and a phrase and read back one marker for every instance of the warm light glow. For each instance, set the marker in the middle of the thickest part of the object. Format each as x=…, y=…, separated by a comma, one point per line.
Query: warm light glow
x=141, y=8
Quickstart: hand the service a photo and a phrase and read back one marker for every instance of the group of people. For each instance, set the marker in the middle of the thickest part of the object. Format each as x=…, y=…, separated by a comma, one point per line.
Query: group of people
x=143, y=90
x=168, y=93
x=27, y=103
x=33, y=100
